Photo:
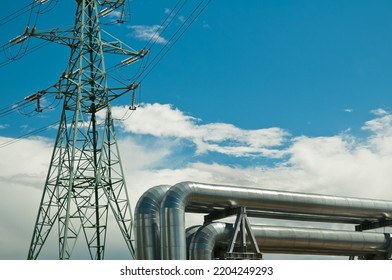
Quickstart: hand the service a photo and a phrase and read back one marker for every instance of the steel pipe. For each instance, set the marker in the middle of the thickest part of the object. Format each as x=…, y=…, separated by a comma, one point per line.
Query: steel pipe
x=147, y=227
x=189, y=234
x=211, y=240
x=206, y=197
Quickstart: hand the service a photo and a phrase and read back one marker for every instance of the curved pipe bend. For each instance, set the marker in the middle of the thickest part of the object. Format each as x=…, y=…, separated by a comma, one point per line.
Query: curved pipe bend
x=147, y=223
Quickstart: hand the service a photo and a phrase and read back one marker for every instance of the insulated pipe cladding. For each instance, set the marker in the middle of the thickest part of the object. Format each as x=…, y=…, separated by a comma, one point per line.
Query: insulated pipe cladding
x=211, y=240
x=206, y=197
x=147, y=227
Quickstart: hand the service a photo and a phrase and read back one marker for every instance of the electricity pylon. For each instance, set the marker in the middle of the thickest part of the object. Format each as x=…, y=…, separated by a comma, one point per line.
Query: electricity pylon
x=85, y=180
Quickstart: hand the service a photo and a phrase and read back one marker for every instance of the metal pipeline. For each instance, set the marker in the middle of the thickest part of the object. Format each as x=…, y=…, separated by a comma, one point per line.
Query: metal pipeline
x=189, y=234
x=197, y=197
x=147, y=227
x=211, y=240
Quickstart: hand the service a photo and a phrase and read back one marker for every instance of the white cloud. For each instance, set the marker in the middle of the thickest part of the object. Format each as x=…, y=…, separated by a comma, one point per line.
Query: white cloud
x=337, y=165
x=147, y=33
x=23, y=169
x=379, y=112
x=116, y=14
x=380, y=128
x=29, y=155
x=164, y=121
x=341, y=166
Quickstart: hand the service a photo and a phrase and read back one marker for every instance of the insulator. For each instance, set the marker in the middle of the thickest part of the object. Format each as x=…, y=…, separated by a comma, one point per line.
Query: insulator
x=19, y=39
x=105, y=12
x=133, y=86
x=133, y=106
x=143, y=52
x=129, y=60
x=32, y=97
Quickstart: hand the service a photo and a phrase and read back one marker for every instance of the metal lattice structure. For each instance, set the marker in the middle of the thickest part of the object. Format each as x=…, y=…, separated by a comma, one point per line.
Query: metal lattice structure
x=85, y=180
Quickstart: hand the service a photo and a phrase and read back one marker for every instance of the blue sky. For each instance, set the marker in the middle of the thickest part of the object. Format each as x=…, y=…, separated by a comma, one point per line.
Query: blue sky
x=299, y=65
x=293, y=95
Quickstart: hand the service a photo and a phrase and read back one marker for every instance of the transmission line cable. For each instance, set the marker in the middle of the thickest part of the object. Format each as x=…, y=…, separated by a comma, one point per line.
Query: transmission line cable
x=24, y=136
x=24, y=47
x=144, y=67
x=17, y=13
x=19, y=56
x=159, y=33
x=159, y=57
x=32, y=99
x=147, y=69
x=28, y=8
x=154, y=38
x=12, y=108
x=165, y=24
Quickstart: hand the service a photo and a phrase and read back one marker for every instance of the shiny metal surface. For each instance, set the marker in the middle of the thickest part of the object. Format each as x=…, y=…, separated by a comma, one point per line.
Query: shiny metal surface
x=206, y=239
x=147, y=227
x=213, y=238
x=189, y=234
x=198, y=197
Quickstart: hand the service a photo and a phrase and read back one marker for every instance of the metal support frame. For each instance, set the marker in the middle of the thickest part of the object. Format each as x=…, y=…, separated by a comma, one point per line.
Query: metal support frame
x=369, y=225
x=238, y=246
x=220, y=214
x=389, y=254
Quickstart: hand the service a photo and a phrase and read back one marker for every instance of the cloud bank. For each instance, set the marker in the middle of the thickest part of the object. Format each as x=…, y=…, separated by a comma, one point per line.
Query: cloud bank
x=161, y=144
x=161, y=120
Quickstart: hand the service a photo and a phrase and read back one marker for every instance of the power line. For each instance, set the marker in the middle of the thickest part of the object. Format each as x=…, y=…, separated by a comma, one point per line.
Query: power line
x=165, y=24
x=29, y=8
x=12, y=108
x=154, y=38
x=35, y=98
x=141, y=77
x=146, y=67
x=141, y=74
x=36, y=7
x=24, y=136
x=18, y=13
x=19, y=56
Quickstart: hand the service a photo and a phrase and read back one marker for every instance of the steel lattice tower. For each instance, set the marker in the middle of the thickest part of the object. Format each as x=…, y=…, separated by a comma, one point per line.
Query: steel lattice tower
x=85, y=180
